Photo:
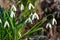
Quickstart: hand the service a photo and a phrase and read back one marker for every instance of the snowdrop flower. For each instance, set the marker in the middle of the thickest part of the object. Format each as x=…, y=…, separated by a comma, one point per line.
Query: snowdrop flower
x=35, y=16
x=31, y=6
x=13, y=8
x=6, y=24
x=54, y=21
x=48, y=25
x=0, y=21
x=29, y=20
x=12, y=14
x=22, y=7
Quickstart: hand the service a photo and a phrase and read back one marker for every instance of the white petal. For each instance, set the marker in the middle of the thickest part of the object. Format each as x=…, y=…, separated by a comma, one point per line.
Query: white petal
x=0, y=21
x=6, y=24
x=12, y=14
x=29, y=20
x=22, y=7
x=48, y=25
x=14, y=8
x=54, y=21
x=35, y=16
x=31, y=6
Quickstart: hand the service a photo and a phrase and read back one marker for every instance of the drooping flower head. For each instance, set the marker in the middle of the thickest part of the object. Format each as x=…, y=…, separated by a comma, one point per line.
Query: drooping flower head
x=6, y=24
x=12, y=14
x=22, y=7
x=13, y=8
x=31, y=6
x=54, y=21
x=48, y=25
x=35, y=16
x=29, y=20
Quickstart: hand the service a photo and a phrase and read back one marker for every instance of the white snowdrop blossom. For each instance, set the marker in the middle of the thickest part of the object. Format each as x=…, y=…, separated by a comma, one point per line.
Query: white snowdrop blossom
x=6, y=24
x=29, y=20
x=22, y=7
x=12, y=14
x=13, y=8
x=54, y=21
x=0, y=21
x=48, y=25
x=35, y=16
x=31, y=6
